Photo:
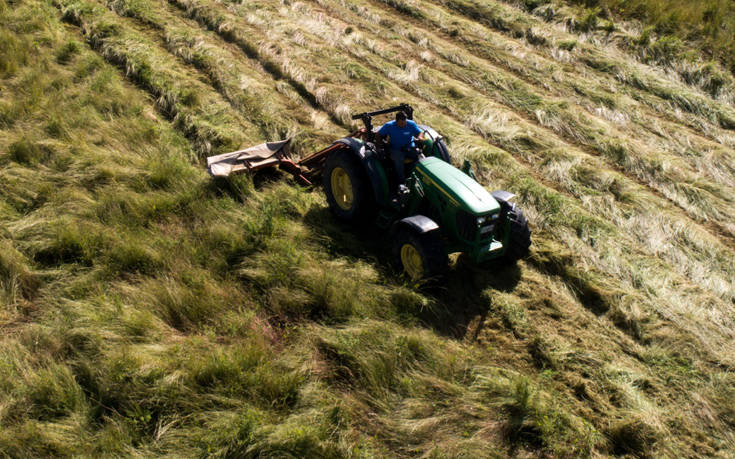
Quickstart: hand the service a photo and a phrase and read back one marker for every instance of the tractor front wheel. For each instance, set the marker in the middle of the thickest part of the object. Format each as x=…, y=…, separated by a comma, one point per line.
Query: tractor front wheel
x=347, y=187
x=421, y=256
x=519, y=239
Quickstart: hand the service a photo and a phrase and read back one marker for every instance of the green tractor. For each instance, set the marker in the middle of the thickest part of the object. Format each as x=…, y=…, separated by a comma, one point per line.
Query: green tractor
x=444, y=210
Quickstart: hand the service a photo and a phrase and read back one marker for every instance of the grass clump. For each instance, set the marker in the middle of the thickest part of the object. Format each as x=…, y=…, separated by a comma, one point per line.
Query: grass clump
x=707, y=25
x=568, y=45
x=14, y=53
x=53, y=392
x=665, y=50
x=68, y=242
x=632, y=436
x=67, y=52
x=26, y=152
x=16, y=278
x=532, y=420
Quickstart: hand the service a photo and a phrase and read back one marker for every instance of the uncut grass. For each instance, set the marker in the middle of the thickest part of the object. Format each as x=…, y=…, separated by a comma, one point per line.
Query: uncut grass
x=707, y=24
x=649, y=240
x=111, y=381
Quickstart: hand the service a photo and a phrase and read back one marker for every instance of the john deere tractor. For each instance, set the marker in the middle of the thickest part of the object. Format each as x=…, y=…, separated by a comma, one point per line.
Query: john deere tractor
x=443, y=211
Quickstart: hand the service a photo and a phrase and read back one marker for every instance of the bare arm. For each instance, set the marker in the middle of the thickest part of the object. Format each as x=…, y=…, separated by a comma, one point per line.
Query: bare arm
x=379, y=139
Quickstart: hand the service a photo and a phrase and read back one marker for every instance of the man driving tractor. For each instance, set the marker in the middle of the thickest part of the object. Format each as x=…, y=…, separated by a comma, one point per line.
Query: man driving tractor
x=400, y=133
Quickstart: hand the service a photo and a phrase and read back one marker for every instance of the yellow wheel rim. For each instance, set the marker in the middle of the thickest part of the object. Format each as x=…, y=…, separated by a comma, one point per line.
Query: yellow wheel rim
x=412, y=263
x=341, y=188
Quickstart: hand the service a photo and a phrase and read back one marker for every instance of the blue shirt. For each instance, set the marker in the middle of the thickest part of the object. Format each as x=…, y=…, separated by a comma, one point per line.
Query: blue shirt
x=400, y=137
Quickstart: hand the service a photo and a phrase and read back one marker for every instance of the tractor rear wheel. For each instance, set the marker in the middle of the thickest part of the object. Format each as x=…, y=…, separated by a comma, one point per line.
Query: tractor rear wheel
x=422, y=256
x=347, y=188
x=519, y=239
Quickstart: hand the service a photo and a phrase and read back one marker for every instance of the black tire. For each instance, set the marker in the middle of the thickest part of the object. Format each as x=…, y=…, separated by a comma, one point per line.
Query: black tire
x=361, y=206
x=428, y=247
x=519, y=239
x=443, y=151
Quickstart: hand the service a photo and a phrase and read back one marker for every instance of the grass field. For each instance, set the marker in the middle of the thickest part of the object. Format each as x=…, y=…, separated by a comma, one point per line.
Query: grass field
x=148, y=310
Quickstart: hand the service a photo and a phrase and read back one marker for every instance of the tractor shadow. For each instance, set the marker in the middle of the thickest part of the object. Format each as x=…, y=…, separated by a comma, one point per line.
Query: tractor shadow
x=459, y=302
x=462, y=297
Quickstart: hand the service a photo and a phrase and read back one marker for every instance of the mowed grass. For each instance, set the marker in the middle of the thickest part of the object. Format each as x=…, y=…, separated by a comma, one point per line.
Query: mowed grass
x=150, y=310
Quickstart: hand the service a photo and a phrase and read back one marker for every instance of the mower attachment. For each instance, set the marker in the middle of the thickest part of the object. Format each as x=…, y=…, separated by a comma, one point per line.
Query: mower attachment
x=251, y=159
x=273, y=154
x=268, y=154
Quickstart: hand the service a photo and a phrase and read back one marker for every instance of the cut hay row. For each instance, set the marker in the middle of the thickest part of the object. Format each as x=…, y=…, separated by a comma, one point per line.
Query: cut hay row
x=511, y=21
x=250, y=89
x=214, y=127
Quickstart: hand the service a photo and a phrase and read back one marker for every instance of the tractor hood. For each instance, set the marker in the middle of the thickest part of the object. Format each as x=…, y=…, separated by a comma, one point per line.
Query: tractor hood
x=456, y=186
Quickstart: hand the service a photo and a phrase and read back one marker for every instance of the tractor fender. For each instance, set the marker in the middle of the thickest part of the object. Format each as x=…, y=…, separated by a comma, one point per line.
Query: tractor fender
x=438, y=140
x=355, y=145
x=418, y=223
x=503, y=197
x=432, y=133
x=370, y=164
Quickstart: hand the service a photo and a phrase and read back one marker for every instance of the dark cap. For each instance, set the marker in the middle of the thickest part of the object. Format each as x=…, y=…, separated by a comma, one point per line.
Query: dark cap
x=401, y=116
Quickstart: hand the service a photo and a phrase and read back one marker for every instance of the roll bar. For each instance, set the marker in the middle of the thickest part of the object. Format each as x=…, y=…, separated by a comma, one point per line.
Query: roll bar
x=367, y=117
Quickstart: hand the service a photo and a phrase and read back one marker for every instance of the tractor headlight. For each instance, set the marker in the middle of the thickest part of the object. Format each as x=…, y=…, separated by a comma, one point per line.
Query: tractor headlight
x=481, y=220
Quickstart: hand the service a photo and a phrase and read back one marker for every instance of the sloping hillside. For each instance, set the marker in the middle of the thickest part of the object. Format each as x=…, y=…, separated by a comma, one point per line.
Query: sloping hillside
x=150, y=310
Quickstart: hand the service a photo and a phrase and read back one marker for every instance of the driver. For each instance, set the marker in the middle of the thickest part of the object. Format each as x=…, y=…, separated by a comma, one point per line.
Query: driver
x=400, y=135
